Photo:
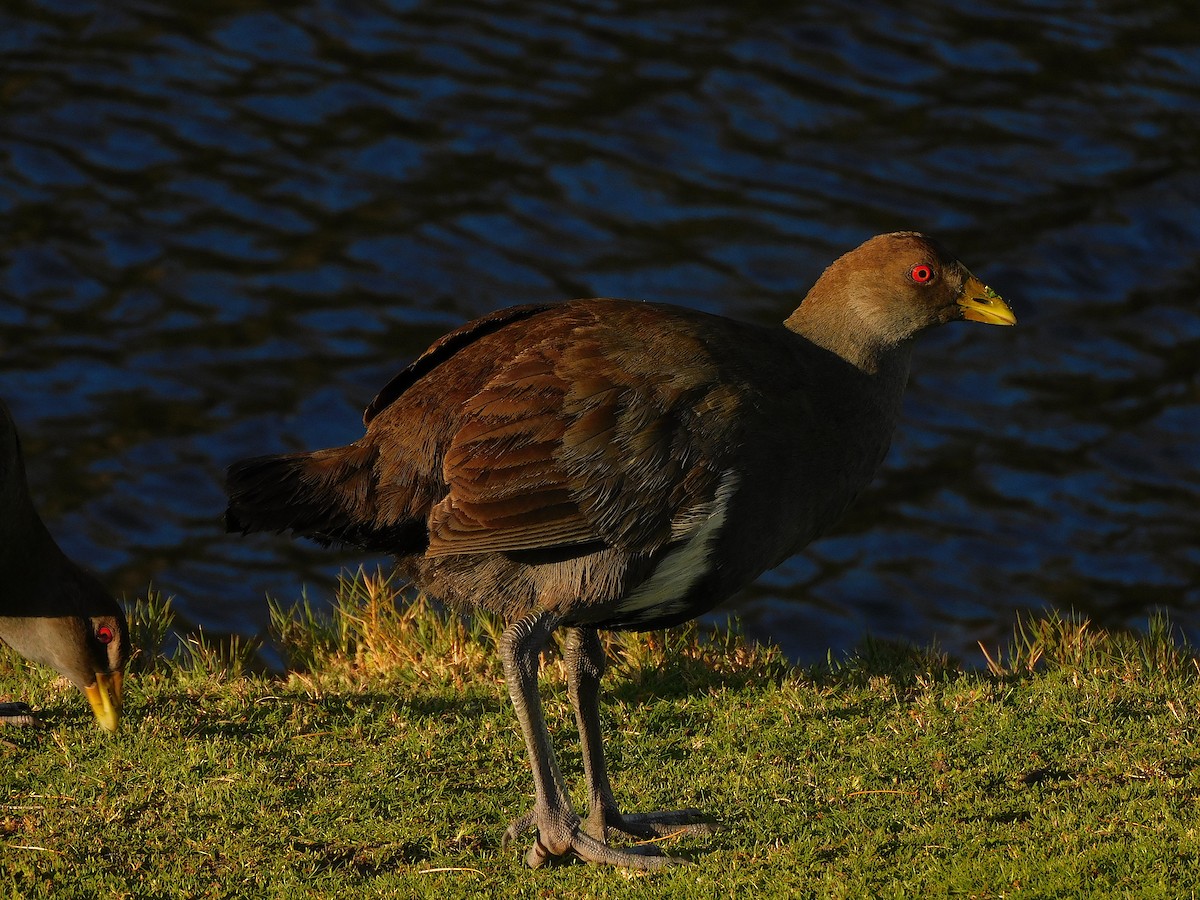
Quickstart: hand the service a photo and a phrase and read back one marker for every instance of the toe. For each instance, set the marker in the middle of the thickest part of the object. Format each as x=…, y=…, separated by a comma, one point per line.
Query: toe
x=19, y=714
x=660, y=824
x=643, y=859
x=518, y=827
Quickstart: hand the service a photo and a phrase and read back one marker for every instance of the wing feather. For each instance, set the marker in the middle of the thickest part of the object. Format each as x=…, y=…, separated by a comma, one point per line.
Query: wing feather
x=580, y=439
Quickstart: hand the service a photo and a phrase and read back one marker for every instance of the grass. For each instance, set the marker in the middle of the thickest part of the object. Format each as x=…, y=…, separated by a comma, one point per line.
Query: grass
x=387, y=761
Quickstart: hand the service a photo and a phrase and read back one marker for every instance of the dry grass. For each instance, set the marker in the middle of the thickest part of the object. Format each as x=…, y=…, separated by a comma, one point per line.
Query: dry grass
x=375, y=628
x=1056, y=641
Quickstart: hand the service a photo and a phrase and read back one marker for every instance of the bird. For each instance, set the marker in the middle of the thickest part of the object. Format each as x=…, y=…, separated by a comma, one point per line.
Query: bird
x=608, y=464
x=52, y=611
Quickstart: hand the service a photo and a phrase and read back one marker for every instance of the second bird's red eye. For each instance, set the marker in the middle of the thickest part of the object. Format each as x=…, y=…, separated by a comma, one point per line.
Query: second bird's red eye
x=921, y=273
x=104, y=634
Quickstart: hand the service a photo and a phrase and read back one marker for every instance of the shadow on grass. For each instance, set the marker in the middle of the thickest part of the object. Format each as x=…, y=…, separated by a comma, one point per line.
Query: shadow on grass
x=363, y=860
x=268, y=714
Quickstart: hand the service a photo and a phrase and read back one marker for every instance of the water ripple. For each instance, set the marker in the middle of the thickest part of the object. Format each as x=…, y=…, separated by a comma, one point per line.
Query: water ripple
x=228, y=226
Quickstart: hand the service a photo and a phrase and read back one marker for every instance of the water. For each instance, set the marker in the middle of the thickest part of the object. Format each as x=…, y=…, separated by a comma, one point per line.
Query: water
x=227, y=224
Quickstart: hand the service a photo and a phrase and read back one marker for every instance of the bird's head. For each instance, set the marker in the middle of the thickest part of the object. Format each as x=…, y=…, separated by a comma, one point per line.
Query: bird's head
x=109, y=651
x=90, y=648
x=888, y=289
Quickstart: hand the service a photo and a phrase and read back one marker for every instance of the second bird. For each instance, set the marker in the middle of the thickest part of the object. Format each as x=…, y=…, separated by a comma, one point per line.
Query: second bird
x=51, y=610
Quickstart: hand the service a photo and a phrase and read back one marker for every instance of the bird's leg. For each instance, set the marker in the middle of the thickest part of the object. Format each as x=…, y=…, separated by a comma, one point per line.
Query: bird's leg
x=520, y=646
x=16, y=714
x=558, y=827
x=585, y=661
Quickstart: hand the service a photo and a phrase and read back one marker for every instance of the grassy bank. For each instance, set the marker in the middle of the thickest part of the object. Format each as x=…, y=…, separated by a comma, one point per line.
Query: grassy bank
x=387, y=763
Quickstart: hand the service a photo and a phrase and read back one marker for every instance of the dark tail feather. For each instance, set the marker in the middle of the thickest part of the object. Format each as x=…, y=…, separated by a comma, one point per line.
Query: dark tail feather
x=327, y=495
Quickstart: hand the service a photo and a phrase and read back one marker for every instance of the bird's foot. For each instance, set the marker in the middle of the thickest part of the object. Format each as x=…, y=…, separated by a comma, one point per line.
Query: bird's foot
x=17, y=714
x=559, y=837
x=589, y=840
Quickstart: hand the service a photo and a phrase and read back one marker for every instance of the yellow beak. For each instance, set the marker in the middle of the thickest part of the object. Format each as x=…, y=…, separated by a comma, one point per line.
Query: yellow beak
x=980, y=303
x=105, y=698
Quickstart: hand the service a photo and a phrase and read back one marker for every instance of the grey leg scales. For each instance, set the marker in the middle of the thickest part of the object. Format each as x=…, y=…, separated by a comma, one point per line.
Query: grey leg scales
x=559, y=829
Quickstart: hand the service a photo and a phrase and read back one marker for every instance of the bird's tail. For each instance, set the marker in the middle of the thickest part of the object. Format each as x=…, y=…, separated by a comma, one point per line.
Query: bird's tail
x=326, y=495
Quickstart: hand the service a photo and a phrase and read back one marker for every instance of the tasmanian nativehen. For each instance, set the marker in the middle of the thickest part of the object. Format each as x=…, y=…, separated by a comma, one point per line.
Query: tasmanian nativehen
x=621, y=465
x=52, y=611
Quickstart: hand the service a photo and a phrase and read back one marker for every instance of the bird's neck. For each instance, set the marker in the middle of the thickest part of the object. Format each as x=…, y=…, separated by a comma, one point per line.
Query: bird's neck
x=853, y=334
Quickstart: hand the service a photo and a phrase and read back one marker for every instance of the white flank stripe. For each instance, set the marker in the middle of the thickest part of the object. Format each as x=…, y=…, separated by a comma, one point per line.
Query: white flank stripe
x=685, y=565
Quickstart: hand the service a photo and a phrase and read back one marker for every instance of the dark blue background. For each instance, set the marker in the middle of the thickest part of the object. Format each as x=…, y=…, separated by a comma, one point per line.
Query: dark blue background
x=227, y=224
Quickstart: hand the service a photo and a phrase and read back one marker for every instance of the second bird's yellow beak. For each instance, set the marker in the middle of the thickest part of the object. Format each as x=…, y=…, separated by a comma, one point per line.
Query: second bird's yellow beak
x=105, y=697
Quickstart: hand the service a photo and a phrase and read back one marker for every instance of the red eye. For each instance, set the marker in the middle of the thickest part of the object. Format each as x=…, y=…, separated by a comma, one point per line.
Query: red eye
x=921, y=273
x=104, y=634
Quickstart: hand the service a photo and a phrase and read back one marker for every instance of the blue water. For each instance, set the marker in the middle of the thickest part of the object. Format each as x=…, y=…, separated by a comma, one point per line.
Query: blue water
x=227, y=226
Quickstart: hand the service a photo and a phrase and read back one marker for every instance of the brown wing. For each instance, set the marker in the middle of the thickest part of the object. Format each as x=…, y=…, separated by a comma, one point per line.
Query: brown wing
x=443, y=349
x=587, y=436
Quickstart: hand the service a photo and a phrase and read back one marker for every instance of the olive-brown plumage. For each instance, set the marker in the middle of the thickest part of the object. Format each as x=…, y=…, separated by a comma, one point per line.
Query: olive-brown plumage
x=613, y=464
x=51, y=611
